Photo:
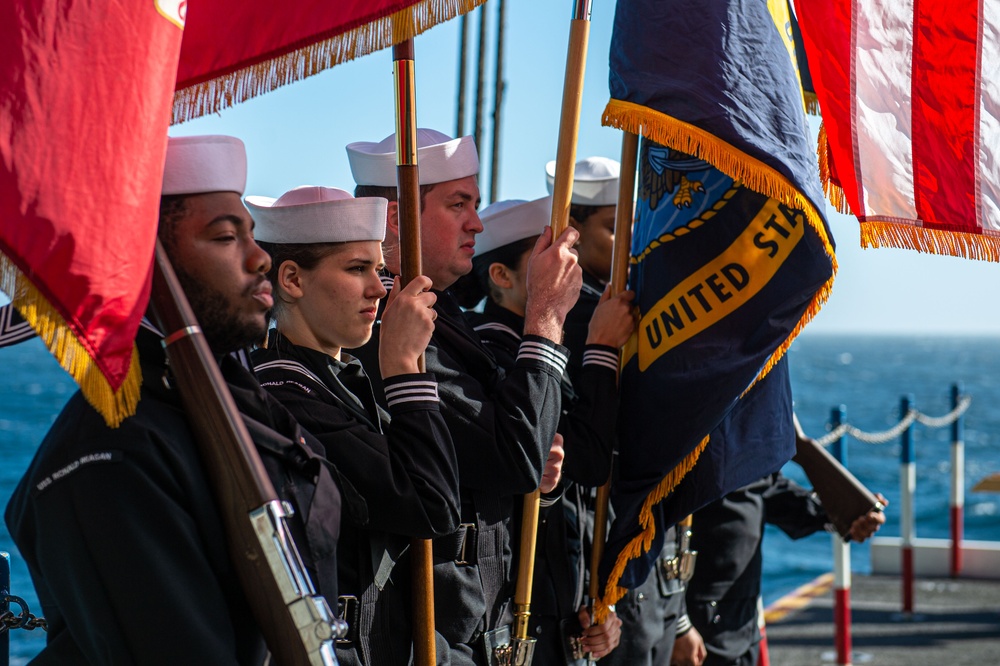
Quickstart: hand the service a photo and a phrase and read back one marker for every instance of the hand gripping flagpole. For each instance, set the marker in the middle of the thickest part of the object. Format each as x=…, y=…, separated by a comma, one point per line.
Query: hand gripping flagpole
x=619, y=280
x=408, y=187
x=297, y=624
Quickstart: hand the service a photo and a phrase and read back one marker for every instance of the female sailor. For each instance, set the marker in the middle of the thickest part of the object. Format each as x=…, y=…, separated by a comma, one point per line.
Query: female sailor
x=326, y=260
x=499, y=272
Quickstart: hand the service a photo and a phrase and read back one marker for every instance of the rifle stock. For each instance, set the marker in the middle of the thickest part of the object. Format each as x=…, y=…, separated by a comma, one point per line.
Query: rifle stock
x=296, y=623
x=843, y=496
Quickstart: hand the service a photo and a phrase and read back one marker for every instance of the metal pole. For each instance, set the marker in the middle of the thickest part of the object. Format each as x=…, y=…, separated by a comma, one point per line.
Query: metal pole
x=841, y=562
x=907, y=488
x=497, y=104
x=957, y=483
x=463, y=39
x=477, y=131
x=408, y=184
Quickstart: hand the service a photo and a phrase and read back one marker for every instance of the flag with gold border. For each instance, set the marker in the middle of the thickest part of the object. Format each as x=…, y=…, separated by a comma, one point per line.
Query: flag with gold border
x=731, y=257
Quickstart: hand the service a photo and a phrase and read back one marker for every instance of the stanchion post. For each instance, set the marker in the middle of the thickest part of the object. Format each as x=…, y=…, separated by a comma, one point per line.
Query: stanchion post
x=4, y=606
x=841, y=560
x=907, y=488
x=957, y=482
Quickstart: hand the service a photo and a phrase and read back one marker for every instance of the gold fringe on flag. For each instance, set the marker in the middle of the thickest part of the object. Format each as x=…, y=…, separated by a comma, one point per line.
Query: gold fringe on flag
x=642, y=543
x=74, y=356
x=736, y=164
x=757, y=176
x=239, y=86
x=834, y=193
x=878, y=233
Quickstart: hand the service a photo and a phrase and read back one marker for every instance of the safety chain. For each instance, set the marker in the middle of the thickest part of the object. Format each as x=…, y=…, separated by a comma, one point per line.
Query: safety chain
x=899, y=428
x=23, y=620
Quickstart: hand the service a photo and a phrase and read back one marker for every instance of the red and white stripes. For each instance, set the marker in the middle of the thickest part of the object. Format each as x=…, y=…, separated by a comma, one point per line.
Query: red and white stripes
x=910, y=96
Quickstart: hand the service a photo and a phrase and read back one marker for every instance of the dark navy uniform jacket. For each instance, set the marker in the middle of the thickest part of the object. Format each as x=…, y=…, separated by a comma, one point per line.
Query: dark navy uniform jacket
x=502, y=425
x=123, y=538
x=405, y=469
x=588, y=428
x=722, y=595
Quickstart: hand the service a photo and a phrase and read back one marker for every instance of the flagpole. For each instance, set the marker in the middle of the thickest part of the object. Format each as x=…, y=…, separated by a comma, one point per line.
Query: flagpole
x=408, y=186
x=569, y=128
x=619, y=280
x=569, y=121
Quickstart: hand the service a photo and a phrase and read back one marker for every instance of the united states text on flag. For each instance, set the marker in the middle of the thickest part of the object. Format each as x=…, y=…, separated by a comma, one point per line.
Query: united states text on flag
x=730, y=258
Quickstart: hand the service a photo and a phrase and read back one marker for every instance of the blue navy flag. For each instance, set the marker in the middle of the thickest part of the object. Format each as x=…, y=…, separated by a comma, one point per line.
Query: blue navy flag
x=731, y=257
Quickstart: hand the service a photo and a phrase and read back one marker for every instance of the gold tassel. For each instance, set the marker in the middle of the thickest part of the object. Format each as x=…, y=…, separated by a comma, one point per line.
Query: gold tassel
x=73, y=356
x=834, y=193
x=239, y=86
x=736, y=164
x=757, y=176
x=877, y=233
x=641, y=543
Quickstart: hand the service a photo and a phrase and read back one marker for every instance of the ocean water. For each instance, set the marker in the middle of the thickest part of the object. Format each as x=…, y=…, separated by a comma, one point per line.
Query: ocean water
x=867, y=374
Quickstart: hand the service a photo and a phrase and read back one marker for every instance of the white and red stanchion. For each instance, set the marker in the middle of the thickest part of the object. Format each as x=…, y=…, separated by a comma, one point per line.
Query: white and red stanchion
x=841, y=563
x=842, y=599
x=907, y=489
x=957, y=484
x=763, y=656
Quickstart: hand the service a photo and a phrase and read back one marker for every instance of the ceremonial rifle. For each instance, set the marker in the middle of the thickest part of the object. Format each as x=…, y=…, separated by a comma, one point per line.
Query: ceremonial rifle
x=844, y=498
x=296, y=622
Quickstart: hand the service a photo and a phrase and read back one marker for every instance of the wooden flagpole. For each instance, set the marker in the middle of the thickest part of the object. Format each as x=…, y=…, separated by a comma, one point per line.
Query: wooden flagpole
x=569, y=128
x=408, y=186
x=619, y=279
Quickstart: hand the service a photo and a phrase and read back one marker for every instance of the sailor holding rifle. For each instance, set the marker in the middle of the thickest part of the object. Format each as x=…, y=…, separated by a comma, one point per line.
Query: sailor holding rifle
x=119, y=528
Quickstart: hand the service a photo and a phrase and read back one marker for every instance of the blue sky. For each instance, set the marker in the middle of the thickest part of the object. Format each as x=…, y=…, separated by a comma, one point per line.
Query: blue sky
x=296, y=136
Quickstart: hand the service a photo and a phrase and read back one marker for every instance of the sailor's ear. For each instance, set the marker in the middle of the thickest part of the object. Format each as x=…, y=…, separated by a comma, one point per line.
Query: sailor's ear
x=392, y=219
x=500, y=275
x=290, y=281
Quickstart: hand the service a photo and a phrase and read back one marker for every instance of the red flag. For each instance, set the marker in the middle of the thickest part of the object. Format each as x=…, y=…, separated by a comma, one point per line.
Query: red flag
x=911, y=112
x=85, y=94
x=268, y=45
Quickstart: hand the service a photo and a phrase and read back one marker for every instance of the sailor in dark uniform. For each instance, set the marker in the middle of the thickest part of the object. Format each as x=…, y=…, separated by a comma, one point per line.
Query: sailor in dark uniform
x=326, y=255
x=652, y=615
x=587, y=426
x=502, y=423
x=118, y=526
x=723, y=595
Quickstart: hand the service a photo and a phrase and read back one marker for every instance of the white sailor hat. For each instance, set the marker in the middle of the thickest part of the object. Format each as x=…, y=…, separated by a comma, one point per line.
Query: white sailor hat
x=505, y=222
x=199, y=164
x=310, y=214
x=439, y=159
x=595, y=181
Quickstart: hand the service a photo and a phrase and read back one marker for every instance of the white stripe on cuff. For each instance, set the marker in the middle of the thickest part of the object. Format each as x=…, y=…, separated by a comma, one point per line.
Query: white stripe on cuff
x=412, y=391
x=608, y=359
x=544, y=353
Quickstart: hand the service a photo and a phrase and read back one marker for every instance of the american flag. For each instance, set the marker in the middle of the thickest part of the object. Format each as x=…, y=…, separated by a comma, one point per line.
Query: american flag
x=910, y=99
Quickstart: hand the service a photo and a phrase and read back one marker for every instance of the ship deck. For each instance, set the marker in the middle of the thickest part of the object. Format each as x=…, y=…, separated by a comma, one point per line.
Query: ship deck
x=954, y=622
